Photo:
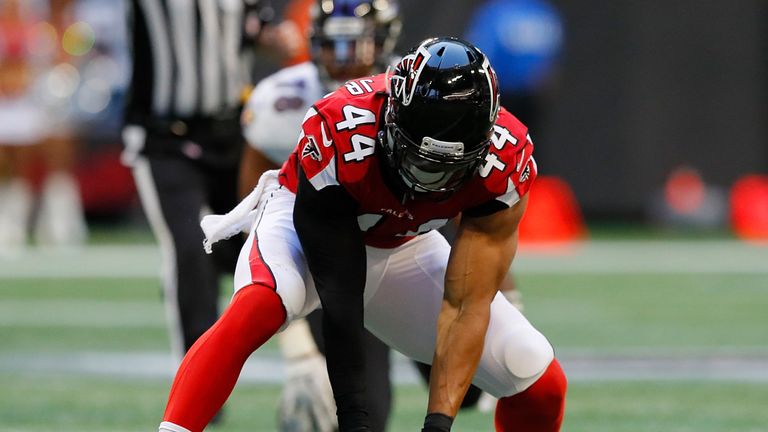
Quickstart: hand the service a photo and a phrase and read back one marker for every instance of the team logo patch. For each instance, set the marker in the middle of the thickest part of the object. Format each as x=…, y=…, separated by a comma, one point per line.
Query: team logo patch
x=407, y=74
x=310, y=149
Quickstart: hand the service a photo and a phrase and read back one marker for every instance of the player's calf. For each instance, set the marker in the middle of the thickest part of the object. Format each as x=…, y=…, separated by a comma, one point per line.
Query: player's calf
x=210, y=369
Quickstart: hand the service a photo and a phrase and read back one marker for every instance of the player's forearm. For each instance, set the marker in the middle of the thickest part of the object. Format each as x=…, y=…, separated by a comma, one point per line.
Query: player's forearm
x=327, y=227
x=343, y=335
x=461, y=334
x=478, y=264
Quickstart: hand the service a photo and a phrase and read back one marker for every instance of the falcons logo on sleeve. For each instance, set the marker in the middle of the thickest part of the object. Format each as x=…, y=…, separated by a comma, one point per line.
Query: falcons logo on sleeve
x=310, y=149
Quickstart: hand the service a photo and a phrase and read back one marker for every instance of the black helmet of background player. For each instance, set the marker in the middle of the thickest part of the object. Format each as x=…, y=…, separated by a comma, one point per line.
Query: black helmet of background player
x=443, y=104
x=353, y=38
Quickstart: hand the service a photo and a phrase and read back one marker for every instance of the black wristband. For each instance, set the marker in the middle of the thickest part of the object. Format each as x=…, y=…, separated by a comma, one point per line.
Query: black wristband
x=436, y=422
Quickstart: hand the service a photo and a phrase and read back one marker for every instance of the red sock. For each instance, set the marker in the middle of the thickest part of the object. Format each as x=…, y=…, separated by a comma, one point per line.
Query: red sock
x=210, y=369
x=539, y=408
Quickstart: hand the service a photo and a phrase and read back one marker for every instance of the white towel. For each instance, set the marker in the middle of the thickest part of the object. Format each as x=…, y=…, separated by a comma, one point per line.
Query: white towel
x=239, y=219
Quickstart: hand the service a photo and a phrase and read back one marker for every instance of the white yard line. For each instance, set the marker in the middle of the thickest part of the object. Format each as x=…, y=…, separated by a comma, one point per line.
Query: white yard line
x=58, y=313
x=267, y=367
x=601, y=257
x=118, y=261
x=598, y=257
x=621, y=257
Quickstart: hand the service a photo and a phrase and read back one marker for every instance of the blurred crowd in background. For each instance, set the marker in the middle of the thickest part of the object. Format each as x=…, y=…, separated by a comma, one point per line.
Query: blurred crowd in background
x=63, y=71
x=637, y=115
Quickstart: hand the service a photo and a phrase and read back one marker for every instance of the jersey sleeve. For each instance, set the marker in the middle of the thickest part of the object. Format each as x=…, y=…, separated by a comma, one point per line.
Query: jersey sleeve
x=525, y=170
x=510, y=168
x=316, y=152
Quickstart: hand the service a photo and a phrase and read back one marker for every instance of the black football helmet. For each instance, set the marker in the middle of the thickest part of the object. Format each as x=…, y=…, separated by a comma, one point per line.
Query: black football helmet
x=443, y=103
x=353, y=38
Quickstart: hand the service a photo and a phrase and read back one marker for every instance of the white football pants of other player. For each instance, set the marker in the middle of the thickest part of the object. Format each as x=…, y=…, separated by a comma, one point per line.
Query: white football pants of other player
x=403, y=296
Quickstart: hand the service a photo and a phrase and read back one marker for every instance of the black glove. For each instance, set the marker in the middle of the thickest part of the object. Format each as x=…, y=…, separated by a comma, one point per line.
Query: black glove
x=436, y=422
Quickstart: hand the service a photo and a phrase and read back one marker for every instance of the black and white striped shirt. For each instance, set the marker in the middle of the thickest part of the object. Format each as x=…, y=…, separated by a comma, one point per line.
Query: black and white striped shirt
x=187, y=57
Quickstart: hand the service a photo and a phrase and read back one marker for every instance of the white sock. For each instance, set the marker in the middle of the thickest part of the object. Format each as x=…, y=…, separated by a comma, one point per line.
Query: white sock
x=61, y=221
x=170, y=427
x=16, y=202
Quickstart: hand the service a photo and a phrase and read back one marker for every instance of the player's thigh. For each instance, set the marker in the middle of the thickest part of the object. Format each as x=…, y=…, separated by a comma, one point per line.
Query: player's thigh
x=272, y=256
x=406, y=296
x=404, y=292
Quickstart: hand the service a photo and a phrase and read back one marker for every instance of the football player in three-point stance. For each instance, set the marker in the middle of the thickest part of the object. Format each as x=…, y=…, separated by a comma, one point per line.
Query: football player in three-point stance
x=349, y=39
x=349, y=222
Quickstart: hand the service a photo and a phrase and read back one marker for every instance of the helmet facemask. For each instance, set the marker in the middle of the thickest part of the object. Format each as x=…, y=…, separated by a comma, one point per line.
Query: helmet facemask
x=443, y=104
x=432, y=168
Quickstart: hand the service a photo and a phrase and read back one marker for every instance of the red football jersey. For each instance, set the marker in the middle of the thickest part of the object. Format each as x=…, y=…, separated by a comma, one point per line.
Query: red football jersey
x=337, y=146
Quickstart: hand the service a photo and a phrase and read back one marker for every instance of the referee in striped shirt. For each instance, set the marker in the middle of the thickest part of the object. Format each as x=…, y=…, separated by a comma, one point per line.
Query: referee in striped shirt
x=182, y=139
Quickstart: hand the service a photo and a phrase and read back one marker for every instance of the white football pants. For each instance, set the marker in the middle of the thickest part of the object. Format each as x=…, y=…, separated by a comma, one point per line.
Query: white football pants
x=403, y=296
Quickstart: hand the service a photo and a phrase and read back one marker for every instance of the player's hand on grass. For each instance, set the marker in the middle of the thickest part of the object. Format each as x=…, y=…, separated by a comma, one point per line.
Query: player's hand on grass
x=307, y=403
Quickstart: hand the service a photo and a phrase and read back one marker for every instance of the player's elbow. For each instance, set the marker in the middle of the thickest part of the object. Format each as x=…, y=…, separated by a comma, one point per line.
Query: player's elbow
x=470, y=299
x=469, y=308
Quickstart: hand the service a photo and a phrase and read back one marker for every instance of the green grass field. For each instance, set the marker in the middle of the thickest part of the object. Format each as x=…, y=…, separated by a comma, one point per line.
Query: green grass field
x=651, y=350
